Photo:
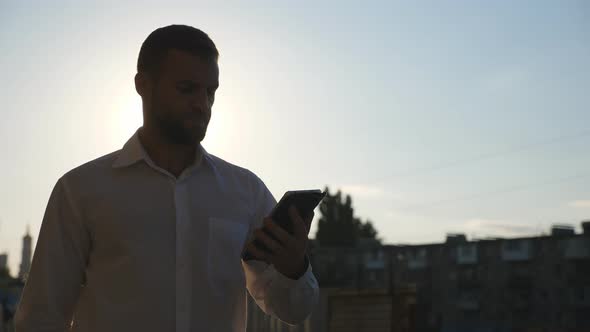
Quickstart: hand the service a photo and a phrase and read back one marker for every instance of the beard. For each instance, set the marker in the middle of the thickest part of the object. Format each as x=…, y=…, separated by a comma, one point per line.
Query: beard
x=172, y=127
x=173, y=130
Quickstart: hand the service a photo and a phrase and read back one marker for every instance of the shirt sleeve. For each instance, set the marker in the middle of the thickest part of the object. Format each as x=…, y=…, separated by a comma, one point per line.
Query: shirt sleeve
x=289, y=300
x=57, y=269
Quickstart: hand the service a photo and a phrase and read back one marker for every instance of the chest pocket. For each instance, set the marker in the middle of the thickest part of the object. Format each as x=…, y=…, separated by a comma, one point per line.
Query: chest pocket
x=226, y=241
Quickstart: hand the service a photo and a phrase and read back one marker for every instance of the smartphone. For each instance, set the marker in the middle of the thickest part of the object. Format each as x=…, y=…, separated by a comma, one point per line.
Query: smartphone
x=304, y=200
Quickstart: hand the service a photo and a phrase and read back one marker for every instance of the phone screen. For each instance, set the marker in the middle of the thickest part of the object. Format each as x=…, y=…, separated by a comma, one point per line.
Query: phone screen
x=304, y=200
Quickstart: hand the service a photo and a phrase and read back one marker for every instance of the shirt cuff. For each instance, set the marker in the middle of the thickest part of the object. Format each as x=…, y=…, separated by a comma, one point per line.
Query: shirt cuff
x=283, y=281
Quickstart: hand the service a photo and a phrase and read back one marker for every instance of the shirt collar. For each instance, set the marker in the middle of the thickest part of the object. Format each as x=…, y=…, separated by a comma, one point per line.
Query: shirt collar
x=133, y=151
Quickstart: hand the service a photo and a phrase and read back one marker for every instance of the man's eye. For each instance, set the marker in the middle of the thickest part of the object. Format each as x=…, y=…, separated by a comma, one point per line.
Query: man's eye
x=184, y=89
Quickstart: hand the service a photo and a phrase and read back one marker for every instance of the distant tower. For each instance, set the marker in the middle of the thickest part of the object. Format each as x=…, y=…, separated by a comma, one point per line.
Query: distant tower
x=26, y=257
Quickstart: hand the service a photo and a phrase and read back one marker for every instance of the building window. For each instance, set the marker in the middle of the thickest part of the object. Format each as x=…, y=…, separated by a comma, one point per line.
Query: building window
x=516, y=250
x=467, y=254
x=417, y=258
x=372, y=276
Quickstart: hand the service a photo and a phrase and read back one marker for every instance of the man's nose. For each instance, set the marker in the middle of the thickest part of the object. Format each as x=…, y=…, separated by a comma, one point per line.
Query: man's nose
x=200, y=100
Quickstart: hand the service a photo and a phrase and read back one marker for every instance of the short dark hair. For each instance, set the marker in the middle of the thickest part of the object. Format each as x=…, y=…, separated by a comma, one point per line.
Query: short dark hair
x=180, y=37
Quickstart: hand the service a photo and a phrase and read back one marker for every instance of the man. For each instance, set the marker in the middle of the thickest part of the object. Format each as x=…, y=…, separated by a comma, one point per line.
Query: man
x=150, y=237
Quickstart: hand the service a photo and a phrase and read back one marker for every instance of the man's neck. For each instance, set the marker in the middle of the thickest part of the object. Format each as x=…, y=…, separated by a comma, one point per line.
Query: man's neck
x=173, y=158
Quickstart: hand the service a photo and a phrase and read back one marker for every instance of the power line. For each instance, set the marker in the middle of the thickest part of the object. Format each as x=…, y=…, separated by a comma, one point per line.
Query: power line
x=481, y=157
x=497, y=192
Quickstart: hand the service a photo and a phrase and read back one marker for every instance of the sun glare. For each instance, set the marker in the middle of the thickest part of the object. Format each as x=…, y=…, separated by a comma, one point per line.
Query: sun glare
x=131, y=116
x=127, y=118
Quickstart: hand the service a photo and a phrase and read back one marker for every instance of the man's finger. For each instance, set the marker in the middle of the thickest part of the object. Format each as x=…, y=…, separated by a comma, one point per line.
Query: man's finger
x=299, y=226
x=282, y=235
x=268, y=241
x=258, y=254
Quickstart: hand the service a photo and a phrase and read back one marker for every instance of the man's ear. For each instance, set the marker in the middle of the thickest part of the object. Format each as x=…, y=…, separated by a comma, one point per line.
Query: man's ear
x=141, y=84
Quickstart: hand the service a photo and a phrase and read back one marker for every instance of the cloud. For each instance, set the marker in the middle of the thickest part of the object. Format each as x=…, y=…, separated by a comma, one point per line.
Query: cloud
x=489, y=227
x=580, y=203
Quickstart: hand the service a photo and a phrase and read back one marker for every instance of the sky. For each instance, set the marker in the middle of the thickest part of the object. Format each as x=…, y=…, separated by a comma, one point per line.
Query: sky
x=435, y=116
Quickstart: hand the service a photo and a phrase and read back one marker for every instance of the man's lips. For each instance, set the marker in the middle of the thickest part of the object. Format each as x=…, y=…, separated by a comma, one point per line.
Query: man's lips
x=193, y=122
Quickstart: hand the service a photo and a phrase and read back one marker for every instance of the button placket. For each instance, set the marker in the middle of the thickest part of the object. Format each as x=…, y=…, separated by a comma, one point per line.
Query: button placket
x=183, y=291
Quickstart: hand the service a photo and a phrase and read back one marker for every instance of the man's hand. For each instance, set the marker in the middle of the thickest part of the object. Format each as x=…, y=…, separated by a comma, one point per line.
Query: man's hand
x=288, y=253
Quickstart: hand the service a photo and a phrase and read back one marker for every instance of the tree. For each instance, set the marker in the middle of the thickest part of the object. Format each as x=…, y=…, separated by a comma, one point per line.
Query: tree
x=367, y=230
x=4, y=273
x=337, y=226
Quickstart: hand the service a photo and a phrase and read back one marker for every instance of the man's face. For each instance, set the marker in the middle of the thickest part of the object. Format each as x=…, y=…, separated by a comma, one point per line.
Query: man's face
x=182, y=97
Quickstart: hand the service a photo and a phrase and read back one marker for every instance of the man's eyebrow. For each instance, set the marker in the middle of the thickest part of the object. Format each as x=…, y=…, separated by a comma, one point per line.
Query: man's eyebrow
x=193, y=83
x=188, y=82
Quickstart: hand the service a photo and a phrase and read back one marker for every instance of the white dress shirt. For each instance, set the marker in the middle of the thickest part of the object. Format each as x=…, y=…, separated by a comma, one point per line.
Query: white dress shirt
x=126, y=246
